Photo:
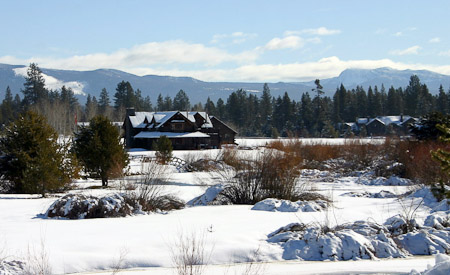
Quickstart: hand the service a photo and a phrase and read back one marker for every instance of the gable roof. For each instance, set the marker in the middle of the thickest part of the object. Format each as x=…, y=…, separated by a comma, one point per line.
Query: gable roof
x=386, y=120
x=145, y=119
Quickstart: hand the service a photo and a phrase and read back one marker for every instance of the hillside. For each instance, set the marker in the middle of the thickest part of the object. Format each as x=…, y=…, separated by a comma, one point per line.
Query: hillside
x=92, y=82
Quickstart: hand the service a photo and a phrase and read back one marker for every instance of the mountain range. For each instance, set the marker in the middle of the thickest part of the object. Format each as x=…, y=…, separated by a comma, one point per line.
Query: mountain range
x=92, y=82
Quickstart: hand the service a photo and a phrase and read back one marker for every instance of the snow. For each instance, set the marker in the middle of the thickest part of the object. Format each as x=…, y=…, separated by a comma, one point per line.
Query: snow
x=232, y=233
x=276, y=205
x=171, y=135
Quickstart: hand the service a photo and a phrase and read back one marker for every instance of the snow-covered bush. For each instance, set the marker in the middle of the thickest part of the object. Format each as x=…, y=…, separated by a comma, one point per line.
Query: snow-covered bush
x=276, y=205
x=359, y=240
x=78, y=206
x=364, y=240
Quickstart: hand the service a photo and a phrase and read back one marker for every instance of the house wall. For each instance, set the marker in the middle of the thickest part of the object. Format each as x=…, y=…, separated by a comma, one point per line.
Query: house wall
x=376, y=128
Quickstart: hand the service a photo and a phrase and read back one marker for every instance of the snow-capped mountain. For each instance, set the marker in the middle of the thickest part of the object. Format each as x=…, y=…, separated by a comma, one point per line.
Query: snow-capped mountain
x=92, y=82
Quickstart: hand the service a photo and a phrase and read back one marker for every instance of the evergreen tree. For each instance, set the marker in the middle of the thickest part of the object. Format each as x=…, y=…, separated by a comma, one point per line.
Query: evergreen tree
x=163, y=147
x=124, y=96
x=265, y=111
x=377, y=103
x=412, y=92
x=371, y=111
x=160, y=103
x=181, y=101
x=99, y=149
x=33, y=160
x=306, y=114
x=361, y=102
x=220, y=109
x=320, y=109
x=442, y=101
x=147, y=105
x=168, y=105
x=90, y=107
x=34, y=86
x=210, y=108
x=104, y=104
x=393, y=102
x=8, y=111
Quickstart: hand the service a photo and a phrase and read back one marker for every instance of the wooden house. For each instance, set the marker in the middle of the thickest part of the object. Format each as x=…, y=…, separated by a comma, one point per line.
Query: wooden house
x=186, y=130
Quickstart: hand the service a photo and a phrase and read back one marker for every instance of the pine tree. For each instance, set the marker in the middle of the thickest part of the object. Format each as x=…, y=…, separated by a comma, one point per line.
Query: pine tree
x=33, y=160
x=168, y=104
x=99, y=149
x=210, y=108
x=163, y=147
x=7, y=108
x=34, y=86
x=442, y=101
x=220, y=109
x=160, y=103
x=181, y=101
x=104, y=104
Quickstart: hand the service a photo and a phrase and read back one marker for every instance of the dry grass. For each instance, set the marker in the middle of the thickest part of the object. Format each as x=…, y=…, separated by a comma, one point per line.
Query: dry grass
x=189, y=254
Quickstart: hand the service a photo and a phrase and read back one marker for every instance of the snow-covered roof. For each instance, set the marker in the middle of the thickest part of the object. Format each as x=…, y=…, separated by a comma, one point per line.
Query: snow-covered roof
x=362, y=120
x=86, y=124
x=387, y=120
x=171, y=135
x=137, y=121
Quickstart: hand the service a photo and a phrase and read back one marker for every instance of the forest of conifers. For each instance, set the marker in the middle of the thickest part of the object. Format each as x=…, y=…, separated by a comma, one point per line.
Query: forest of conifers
x=251, y=114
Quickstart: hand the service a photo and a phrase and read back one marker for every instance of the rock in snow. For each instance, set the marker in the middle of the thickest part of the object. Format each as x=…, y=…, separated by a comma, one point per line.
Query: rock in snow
x=276, y=205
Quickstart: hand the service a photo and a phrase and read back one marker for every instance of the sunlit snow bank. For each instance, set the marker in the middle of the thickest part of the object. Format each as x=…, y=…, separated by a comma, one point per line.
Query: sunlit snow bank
x=441, y=266
x=276, y=205
x=364, y=240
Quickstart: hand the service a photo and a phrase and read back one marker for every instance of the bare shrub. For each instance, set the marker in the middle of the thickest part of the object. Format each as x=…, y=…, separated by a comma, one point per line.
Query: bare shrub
x=149, y=192
x=418, y=163
x=272, y=174
x=189, y=254
x=200, y=163
x=254, y=266
x=119, y=262
x=230, y=157
x=37, y=260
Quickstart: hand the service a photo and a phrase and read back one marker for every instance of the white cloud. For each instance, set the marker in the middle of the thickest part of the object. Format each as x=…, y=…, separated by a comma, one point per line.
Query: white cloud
x=434, y=40
x=52, y=83
x=149, y=54
x=289, y=42
x=235, y=37
x=317, y=31
x=323, y=68
x=408, y=51
x=398, y=34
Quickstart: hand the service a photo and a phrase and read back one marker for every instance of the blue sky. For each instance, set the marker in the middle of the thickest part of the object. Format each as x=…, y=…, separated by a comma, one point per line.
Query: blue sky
x=254, y=41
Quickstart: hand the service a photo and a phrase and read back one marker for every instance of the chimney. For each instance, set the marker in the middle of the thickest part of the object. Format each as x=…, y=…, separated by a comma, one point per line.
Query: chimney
x=401, y=117
x=131, y=112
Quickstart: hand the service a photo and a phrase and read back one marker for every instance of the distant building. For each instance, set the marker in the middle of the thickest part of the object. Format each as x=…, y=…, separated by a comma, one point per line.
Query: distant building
x=186, y=130
x=380, y=125
x=386, y=125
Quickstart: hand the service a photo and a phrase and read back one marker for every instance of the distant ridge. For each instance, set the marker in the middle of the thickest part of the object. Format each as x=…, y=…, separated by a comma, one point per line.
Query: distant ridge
x=93, y=81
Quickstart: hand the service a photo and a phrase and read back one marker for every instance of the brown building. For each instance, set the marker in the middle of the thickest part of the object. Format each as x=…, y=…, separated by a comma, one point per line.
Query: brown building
x=186, y=130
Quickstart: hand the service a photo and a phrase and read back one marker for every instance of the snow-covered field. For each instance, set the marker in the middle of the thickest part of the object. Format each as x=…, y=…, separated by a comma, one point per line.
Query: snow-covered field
x=231, y=235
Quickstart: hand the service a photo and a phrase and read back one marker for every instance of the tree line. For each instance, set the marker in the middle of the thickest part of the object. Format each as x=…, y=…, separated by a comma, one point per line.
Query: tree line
x=251, y=114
